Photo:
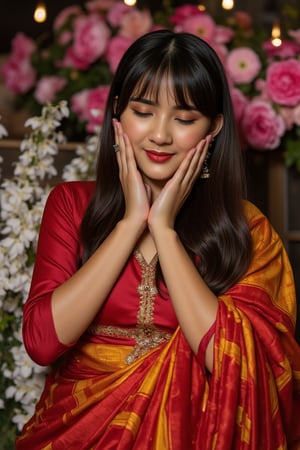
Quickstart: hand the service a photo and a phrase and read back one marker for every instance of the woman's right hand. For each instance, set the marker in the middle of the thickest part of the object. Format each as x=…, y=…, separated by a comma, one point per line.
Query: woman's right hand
x=135, y=192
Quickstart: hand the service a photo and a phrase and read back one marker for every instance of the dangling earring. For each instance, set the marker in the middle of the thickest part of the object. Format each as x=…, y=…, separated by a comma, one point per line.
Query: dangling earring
x=205, y=170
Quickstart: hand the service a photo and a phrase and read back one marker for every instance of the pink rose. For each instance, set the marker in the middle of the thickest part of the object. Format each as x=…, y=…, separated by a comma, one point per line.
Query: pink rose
x=64, y=15
x=283, y=82
x=223, y=35
x=243, y=65
x=201, y=25
x=72, y=60
x=78, y=104
x=18, y=75
x=17, y=71
x=240, y=102
x=47, y=88
x=89, y=105
x=117, y=12
x=135, y=23
x=91, y=36
x=22, y=46
x=95, y=107
x=117, y=46
x=262, y=127
x=183, y=12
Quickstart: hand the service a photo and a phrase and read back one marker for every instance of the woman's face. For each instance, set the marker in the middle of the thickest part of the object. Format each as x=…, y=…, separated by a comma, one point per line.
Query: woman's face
x=162, y=132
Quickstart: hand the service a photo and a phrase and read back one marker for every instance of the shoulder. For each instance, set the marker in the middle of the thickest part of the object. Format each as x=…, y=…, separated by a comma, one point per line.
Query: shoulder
x=69, y=199
x=264, y=236
x=256, y=219
x=77, y=192
x=270, y=268
x=83, y=189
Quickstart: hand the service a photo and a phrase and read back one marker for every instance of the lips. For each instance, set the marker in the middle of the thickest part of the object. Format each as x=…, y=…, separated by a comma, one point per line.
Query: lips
x=159, y=157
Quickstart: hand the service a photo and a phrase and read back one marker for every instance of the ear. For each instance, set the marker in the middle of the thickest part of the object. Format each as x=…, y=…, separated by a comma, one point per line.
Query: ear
x=217, y=125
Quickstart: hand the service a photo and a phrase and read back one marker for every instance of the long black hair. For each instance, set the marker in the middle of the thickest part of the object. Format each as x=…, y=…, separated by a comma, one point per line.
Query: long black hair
x=211, y=224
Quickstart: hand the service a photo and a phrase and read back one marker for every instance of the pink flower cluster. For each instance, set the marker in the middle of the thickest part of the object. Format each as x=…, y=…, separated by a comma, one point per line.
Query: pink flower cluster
x=98, y=36
x=88, y=45
x=273, y=105
x=89, y=105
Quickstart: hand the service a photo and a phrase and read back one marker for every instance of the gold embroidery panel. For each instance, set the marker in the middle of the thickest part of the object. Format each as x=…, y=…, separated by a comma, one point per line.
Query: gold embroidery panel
x=146, y=335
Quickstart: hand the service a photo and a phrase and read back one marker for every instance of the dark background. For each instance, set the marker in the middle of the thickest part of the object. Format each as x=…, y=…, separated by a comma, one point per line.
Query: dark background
x=17, y=15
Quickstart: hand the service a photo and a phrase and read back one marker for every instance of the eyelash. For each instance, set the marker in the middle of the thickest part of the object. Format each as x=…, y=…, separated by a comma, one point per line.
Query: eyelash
x=181, y=121
x=186, y=121
x=141, y=114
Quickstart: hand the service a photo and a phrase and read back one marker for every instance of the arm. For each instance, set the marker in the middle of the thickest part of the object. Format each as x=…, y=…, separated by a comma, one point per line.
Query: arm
x=195, y=304
x=63, y=300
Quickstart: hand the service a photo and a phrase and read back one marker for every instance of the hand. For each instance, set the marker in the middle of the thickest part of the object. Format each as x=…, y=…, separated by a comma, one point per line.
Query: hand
x=135, y=193
x=167, y=205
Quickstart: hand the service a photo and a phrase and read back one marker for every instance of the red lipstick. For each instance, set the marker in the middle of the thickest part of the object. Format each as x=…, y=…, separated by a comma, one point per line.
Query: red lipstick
x=159, y=157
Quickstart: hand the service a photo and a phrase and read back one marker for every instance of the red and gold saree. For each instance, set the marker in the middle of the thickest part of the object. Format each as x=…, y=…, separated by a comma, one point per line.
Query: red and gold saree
x=157, y=395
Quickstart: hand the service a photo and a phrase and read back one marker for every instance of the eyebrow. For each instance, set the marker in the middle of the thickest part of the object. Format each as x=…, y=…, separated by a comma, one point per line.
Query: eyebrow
x=146, y=101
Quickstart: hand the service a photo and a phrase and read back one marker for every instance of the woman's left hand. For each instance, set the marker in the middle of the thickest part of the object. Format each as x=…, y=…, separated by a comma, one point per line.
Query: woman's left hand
x=165, y=208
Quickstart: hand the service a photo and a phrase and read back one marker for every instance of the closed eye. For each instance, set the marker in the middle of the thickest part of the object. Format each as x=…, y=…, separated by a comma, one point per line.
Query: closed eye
x=186, y=121
x=140, y=113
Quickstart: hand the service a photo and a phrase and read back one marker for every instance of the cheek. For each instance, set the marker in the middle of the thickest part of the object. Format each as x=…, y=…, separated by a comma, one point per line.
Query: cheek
x=187, y=139
x=132, y=128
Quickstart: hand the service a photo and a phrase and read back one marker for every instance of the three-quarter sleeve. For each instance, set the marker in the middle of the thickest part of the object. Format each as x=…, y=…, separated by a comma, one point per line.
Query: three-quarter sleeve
x=57, y=259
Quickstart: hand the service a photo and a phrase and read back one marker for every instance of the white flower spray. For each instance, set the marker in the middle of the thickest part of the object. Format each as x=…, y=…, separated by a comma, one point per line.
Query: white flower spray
x=22, y=202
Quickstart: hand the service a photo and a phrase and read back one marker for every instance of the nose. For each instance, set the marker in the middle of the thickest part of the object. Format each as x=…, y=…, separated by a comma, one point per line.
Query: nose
x=160, y=133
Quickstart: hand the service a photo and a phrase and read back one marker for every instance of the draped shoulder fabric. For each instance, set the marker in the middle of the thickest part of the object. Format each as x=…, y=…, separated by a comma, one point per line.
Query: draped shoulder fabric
x=132, y=381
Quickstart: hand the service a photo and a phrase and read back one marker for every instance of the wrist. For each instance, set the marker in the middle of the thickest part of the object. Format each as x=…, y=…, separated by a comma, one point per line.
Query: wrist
x=163, y=234
x=131, y=226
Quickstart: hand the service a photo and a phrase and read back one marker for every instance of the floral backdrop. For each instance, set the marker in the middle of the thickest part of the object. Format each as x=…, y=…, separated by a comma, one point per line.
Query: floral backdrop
x=76, y=63
x=72, y=69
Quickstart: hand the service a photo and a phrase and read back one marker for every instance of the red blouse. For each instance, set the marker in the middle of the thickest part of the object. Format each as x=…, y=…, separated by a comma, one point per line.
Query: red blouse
x=134, y=308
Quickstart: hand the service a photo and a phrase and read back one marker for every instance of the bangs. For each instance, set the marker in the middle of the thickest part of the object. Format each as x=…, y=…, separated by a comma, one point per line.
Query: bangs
x=164, y=77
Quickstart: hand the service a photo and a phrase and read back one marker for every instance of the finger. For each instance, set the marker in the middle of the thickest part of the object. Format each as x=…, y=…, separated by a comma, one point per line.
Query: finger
x=129, y=153
x=116, y=145
x=121, y=154
x=191, y=164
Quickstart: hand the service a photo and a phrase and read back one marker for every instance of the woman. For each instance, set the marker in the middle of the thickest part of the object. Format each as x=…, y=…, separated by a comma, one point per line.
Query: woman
x=170, y=297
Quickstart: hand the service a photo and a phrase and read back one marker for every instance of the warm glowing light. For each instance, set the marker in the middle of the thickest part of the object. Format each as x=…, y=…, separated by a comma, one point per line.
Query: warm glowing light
x=276, y=34
x=227, y=4
x=40, y=12
x=129, y=2
x=201, y=7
